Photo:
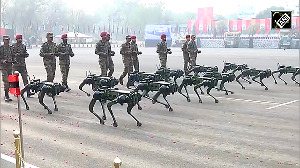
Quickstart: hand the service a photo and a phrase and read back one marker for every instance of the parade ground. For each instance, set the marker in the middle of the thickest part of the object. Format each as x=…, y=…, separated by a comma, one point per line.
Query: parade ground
x=250, y=128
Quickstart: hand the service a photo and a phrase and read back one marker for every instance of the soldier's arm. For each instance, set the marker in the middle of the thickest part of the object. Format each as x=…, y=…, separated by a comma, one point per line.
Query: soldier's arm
x=158, y=48
x=42, y=51
x=56, y=53
x=122, y=50
x=71, y=53
x=1, y=55
x=25, y=53
x=183, y=47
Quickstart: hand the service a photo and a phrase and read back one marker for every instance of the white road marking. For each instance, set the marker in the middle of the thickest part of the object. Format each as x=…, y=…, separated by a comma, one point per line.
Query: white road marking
x=282, y=104
x=243, y=100
x=13, y=160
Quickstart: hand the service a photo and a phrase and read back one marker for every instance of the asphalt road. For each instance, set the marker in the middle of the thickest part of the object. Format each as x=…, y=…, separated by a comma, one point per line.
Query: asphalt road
x=250, y=128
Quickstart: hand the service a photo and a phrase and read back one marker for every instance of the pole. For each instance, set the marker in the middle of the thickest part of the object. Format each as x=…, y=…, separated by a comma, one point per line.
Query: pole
x=117, y=162
x=21, y=130
x=0, y=13
x=17, y=148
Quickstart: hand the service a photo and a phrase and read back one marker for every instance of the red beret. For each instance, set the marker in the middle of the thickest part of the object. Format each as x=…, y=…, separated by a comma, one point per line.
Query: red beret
x=187, y=36
x=18, y=36
x=107, y=35
x=103, y=34
x=133, y=37
x=64, y=36
x=163, y=36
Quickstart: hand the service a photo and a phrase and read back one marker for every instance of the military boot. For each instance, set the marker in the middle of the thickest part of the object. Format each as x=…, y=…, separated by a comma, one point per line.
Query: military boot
x=7, y=98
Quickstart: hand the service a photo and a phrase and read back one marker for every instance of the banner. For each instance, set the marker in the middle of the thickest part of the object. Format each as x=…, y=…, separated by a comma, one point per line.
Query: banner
x=267, y=25
x=262, y=26
x=244, y=26
x=257, y=21
x=200, y=26
x=205, y=13
x=239, y=26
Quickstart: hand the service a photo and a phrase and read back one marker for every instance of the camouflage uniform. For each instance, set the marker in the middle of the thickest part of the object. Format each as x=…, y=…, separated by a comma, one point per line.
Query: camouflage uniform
x=110, y=63
x=64, y=51
x=48, y=59
x=127, y=61
x=192, y=49
x=135, y=59
x=162, y=53
x=20, y=65
x=102, y=50
x=186, y=57
x=6, y=54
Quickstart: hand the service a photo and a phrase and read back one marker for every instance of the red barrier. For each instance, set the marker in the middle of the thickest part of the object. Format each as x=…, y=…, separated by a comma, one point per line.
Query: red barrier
x=14, y=87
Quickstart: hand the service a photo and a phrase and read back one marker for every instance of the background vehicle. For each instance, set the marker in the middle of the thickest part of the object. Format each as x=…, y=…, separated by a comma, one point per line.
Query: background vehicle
x=232, y=39
x=285, y=39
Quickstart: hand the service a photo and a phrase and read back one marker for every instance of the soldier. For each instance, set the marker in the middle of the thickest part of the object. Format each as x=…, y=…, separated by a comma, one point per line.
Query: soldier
x=49, y=52
x=126, y=53
x=186, y=57
x=193, y=50
x=110, y=63
x=135, y=53
x=19, y=55
x=6, y=59
x=65, y=52
x=102, y=51
x=162, y=51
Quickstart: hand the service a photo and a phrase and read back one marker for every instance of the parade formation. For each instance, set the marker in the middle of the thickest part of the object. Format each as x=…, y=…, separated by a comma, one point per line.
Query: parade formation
x=163, y=82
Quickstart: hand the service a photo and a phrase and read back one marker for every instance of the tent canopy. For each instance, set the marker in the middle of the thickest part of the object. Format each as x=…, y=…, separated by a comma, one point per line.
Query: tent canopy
x=74, y=35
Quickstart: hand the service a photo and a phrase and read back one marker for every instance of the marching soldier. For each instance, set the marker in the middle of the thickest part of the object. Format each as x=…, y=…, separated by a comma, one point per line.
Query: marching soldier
x=110, y=63
x=193, y=50
x=19, y=55
x=6, y=59
x=126, y=53
x=49, y=52
x=163, y=50
x=65, y=52
x=102, y=51
x=135, y=53
x=186, y=57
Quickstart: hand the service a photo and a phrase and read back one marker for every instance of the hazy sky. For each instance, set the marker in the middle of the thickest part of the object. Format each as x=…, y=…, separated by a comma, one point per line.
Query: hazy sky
x=224, y=7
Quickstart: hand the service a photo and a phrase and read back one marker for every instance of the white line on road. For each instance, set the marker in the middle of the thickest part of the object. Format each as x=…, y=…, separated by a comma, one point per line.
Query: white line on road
x=282, y=104
x=13, y=160
x=242, y=100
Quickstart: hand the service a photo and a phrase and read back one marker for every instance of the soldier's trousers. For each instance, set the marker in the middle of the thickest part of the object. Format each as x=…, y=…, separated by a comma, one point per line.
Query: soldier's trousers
x=64, y=69
x=110, y=66
x=135, y=63
x=193, y=59
x=127, y=61
x=186, y=62
x=50, y=67
x=103, y=65
x=23, y=71
x=163, y=61
x=6, y=70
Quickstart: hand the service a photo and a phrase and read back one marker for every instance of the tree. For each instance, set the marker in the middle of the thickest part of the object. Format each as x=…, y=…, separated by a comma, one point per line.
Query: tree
x=253, y=27
x=219, y=17
x=221, y=27
x=267, y=13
